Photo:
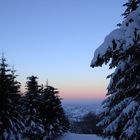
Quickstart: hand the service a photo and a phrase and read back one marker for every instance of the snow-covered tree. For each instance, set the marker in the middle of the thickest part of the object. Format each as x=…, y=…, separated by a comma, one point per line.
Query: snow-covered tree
x=131, y=5
x=31, y=110
x=120, y=118
x=11, y=125
x=53, y=116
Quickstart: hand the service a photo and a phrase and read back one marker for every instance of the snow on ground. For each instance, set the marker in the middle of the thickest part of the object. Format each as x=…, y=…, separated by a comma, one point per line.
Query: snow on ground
x=72, y=136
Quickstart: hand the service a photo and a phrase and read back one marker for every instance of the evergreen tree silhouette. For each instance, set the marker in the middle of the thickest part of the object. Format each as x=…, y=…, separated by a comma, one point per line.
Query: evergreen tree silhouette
x=11, y=125
x=53, y=116
x=32, y=103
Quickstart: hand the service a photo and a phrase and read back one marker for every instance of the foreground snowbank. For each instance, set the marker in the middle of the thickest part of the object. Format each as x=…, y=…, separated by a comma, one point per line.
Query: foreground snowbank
x=72, y=136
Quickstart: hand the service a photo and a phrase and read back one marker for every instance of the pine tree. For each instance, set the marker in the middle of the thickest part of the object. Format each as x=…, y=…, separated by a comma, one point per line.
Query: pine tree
x=53, y=116
x=15, y=85
x=120, y=118
x=131, y=5
x=41, y=89
x=32, y=102
x=32, y=85
x=11, y=125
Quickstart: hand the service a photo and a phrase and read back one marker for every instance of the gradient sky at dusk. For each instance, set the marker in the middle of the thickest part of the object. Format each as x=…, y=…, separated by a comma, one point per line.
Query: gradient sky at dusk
x=56, y=40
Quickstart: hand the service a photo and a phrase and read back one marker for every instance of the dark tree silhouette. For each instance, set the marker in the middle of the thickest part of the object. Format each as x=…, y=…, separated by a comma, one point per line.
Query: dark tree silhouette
x=32, y=85
x=53, y=116
x=37, y=115
x=31, y=108
x=86, y=125
x=11, y=125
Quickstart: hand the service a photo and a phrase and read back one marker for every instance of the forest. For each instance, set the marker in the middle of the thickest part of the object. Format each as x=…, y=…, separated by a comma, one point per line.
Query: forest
x=38, y=114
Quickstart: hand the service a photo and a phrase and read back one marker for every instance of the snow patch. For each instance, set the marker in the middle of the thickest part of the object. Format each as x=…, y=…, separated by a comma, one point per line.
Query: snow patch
x=72, y=136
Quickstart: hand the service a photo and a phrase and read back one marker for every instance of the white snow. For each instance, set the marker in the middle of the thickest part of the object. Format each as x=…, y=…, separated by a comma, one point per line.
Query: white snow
x=117, y=34
x=75, y=111
x=131, y=107
x=121, y=108
x=5, y=134
x=72, y=136
x=125, y=35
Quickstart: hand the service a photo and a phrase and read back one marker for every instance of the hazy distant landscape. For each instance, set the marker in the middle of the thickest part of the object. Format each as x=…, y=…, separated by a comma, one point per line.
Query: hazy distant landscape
x=75, y=110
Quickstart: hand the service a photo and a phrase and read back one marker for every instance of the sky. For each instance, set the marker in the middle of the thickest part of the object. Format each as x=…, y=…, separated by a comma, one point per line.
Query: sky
x=56, y=39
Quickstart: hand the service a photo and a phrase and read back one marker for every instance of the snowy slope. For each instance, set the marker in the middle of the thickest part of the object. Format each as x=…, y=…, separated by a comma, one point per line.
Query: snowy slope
x=75, y=111
x=72, y=136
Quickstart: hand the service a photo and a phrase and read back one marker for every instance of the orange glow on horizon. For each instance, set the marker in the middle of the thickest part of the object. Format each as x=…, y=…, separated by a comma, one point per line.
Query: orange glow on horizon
x=83, y=93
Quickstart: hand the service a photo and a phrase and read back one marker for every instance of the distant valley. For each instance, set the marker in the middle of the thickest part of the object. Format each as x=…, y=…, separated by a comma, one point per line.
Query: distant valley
x=75, y=110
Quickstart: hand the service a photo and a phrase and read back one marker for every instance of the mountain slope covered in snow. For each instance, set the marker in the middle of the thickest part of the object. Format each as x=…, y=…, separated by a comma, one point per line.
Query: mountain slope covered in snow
x=72, y=136
x=75, y=111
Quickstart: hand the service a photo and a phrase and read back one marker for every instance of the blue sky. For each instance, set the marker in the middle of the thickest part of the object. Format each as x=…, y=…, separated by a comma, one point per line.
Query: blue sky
x=56, y=40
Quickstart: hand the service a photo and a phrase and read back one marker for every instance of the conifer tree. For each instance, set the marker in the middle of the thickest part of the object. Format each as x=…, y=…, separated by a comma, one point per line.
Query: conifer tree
x=32, y=102
x=41, y=89
x=120, y=118
x=131, y=5
x=32, y=85
x=53, y=116
x=11, y=125
x=15, y=85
